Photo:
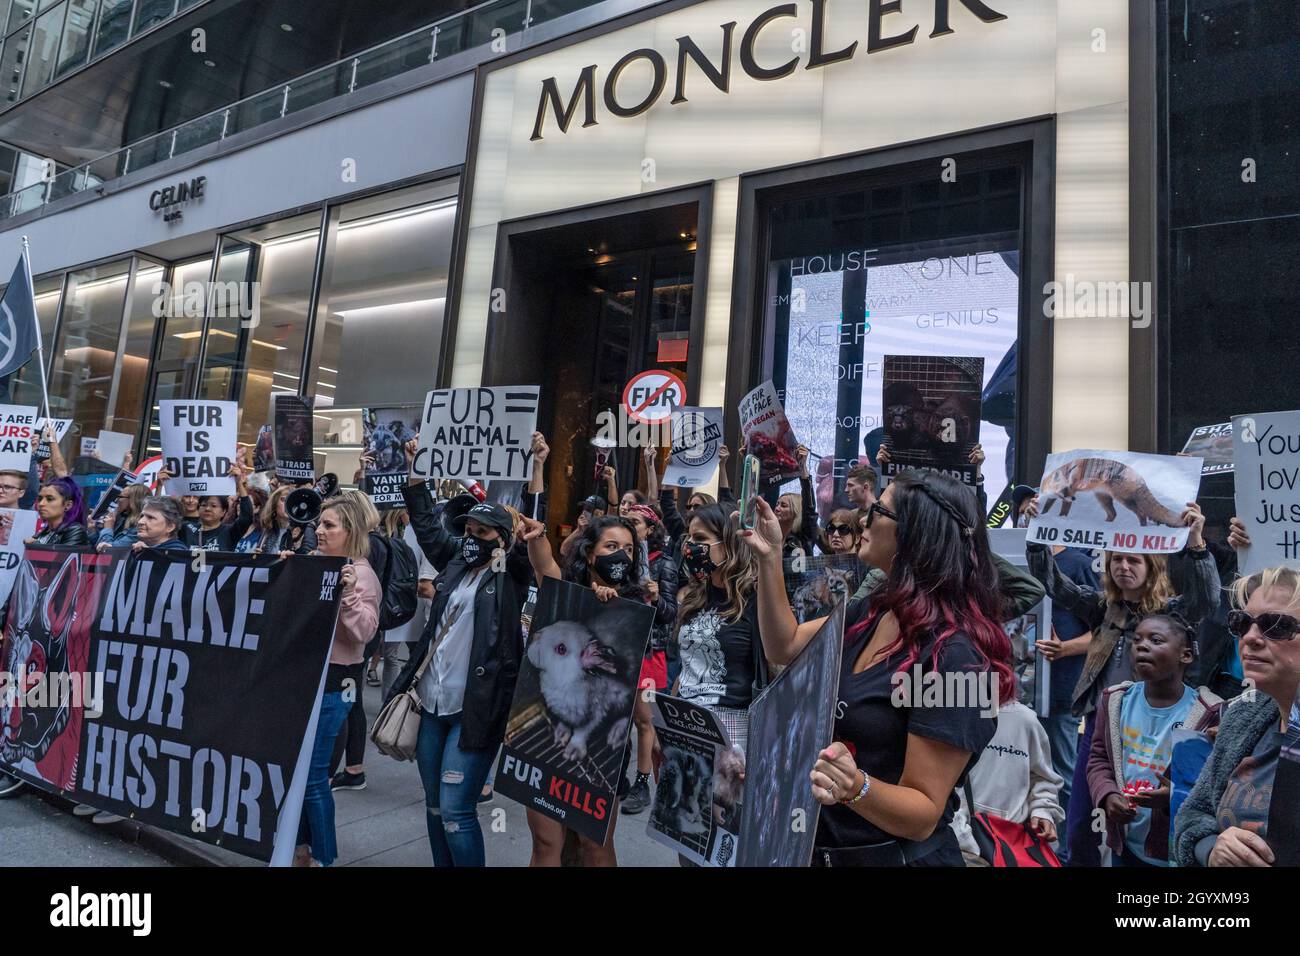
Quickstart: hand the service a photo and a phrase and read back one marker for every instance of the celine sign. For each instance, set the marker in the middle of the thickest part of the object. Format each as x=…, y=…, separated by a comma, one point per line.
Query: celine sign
x=163, y=200
x=883, y=33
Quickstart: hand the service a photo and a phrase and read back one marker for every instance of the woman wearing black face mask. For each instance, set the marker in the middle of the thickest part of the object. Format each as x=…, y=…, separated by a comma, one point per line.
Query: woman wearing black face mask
x=608, y=560
x=465, y=664
x=717, y=622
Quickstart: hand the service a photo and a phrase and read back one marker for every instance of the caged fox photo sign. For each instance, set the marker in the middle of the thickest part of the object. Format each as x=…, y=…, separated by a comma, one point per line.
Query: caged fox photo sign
x=572, y=713
x=1116, y=500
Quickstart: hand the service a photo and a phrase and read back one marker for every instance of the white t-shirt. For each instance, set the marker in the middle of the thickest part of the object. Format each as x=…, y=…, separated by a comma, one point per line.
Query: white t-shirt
x=442, y=687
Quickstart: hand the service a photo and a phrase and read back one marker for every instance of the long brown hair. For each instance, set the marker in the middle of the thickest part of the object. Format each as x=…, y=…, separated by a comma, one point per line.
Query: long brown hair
x=739, y=573
x=1156, y=590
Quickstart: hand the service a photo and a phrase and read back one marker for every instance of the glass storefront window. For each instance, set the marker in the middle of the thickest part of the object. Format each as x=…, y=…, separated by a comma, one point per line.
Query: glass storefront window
x=41, y=51
x=114, y=25
x=910, y=266
x=133, y=376
x=150, y=12
x=76, y=36
x=20, y=13
x=379, y=321
x=256, y=335
x=85, y=355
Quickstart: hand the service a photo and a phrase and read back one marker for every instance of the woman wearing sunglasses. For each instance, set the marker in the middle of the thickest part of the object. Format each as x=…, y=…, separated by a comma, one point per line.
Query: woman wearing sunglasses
x=840, y=536
x=1224, y=820
x=888, y=780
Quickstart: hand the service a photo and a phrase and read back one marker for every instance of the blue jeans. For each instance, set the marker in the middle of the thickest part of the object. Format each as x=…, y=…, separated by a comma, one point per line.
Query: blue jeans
x=316, y=826
x=453, y=779
x=1083, y=842
x=1063, y=739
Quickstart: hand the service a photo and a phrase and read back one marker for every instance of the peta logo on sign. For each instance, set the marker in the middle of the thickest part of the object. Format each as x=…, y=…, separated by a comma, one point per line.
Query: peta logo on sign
x=76, y=909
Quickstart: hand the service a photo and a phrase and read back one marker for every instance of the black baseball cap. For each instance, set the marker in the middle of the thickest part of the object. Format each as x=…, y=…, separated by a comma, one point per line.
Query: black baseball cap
x=490, y=513
x=1019, y=494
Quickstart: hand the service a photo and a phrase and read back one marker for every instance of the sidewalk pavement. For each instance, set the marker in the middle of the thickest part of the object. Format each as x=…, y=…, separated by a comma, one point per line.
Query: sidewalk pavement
x=383, y=825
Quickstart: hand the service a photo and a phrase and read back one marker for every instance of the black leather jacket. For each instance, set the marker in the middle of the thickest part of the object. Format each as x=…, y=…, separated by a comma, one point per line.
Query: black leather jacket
x=498, y=640
x=65, y=535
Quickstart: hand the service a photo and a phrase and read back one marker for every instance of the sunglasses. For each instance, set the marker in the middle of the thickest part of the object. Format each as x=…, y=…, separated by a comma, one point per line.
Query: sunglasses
x=1274, y=626
x=877, y=509
x=843, y=529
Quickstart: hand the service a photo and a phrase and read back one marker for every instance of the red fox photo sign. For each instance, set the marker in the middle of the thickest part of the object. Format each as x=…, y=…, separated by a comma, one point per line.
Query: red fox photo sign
x=1116, y=500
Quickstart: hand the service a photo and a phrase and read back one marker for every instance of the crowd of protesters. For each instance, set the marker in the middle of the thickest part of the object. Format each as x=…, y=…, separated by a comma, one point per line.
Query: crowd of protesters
x=1141, y=646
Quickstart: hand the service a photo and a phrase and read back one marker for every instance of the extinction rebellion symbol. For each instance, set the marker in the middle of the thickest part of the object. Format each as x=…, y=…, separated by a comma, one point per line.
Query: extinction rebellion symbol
x=8, y=336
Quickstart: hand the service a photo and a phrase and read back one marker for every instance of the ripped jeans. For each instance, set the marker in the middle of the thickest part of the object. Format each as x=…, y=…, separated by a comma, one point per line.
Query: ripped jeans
x=453, y=779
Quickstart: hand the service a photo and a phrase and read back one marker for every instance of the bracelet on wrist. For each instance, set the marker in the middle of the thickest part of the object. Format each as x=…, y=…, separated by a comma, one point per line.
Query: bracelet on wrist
x=862, y=792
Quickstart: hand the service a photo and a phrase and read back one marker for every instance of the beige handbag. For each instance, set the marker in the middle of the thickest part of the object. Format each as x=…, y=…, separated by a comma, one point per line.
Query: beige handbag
x=398, y=725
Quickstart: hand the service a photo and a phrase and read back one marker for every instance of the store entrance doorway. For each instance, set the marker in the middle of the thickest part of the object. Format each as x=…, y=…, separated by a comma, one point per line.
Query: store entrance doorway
x=591, y=304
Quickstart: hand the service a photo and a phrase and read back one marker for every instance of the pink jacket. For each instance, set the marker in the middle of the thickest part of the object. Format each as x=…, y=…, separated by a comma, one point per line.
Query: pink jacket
x=358, y=617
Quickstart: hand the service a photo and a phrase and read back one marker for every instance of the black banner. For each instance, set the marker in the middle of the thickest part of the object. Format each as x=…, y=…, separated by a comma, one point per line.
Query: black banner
x=572, y=712
x=176, y=691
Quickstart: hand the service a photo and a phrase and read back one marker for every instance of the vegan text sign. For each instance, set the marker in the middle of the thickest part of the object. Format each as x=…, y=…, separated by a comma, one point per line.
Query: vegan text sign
x=478, y=433
x=198, y=446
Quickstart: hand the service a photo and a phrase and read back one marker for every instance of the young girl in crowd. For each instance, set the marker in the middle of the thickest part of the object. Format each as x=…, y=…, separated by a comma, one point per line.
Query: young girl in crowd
x=608, y=560
x=341, y=533
x=1133, y=586
x=661, y=589
x=1132, y=745
x=278, y=532
x=888, y=780
x=62, y=512
x=215, y=531
x=468, y=661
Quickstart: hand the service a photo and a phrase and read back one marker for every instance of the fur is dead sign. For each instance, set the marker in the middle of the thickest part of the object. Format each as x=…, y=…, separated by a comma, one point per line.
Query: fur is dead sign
x=198, y=446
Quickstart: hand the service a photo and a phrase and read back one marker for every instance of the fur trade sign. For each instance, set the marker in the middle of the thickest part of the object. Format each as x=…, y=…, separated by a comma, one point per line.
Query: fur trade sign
x=1116, y=500
x=478, y=433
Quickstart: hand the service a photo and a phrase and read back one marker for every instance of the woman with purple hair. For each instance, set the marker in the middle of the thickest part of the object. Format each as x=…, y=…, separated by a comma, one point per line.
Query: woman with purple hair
x=63, y=514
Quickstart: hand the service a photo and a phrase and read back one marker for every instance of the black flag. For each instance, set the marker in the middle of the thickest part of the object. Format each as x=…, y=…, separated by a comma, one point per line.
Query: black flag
x=20, y=336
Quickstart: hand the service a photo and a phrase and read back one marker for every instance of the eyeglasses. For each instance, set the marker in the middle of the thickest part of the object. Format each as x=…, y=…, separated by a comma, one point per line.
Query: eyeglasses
x=843, y=529
x=10, y=488
x=1274, y=626
x=877, y=509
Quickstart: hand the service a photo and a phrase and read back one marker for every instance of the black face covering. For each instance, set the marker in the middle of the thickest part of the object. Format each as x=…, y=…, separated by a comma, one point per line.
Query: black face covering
x=475, y=552
x=697, y=559
x=613, y=568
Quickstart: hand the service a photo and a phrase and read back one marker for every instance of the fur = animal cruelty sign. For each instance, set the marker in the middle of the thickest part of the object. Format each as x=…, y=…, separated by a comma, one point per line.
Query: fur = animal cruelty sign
x=1116, y=500
x=572, y=711
x=1266, y=449
x=185, y=699
x=478, y=433
x=697, y=802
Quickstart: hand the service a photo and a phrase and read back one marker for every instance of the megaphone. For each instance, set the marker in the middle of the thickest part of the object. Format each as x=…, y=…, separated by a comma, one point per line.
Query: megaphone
x=302, y=505
x=454, y=509
x=327, y=484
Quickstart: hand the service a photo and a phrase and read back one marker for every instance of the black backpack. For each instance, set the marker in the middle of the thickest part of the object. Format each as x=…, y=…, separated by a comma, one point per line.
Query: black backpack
x=400, y=582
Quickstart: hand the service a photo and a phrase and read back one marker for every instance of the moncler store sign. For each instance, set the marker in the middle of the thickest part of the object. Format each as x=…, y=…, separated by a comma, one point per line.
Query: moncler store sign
x=890, y=24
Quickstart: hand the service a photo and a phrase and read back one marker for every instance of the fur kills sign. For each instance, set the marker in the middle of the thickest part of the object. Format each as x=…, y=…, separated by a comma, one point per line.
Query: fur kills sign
x=1266, y=451
x=569, y=722
x=183, y=698
x=478, y=433
x=1115, y=500
x=198, y=445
